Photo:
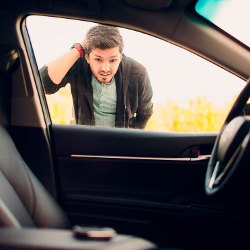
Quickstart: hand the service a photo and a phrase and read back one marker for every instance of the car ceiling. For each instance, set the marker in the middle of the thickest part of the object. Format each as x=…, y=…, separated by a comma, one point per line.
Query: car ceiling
x=171, y=20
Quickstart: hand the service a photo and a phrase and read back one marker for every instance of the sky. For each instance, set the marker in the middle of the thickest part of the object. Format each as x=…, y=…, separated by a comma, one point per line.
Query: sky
x=175, y=73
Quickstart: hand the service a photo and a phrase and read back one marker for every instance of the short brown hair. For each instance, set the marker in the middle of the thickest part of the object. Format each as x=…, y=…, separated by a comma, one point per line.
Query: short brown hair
x=103, y=37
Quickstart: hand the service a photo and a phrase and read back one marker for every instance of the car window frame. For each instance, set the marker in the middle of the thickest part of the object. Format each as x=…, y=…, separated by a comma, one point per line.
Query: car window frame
x=31, y=54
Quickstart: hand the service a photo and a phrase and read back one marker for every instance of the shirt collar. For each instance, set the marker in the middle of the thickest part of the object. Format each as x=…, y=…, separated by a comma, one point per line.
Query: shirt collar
x=109, y=83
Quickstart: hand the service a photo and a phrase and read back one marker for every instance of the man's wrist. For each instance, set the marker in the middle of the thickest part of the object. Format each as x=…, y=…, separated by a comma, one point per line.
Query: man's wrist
x=79, y=48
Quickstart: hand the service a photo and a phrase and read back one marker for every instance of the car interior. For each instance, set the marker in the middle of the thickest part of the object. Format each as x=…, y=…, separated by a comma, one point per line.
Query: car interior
x=86, y=187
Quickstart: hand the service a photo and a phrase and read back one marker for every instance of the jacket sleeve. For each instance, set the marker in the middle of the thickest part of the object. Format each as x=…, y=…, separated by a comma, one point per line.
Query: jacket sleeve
x=145, y=105
x=49, y=86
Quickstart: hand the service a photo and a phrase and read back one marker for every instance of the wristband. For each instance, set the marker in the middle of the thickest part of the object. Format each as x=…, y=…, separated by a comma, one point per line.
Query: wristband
x=79, y=48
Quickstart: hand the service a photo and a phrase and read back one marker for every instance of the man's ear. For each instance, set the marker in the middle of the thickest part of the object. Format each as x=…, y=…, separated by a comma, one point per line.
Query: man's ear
x=87, y=58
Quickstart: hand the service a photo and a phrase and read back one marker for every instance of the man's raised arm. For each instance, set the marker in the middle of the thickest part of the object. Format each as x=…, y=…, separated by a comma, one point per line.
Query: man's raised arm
x=58, y=68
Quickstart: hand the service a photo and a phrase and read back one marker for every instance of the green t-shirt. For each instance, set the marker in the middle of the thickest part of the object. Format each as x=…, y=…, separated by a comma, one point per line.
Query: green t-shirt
x=104, y=101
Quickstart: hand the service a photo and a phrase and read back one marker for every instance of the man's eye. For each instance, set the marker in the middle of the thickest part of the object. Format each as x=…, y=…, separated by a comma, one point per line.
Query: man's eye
x=98, y=59
x=113, y=60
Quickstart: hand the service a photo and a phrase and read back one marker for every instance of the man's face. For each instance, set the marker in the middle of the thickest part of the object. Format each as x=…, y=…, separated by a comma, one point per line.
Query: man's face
x=104, y=63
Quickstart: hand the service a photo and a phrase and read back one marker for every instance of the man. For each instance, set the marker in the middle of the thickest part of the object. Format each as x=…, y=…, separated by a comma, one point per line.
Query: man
x=108, y=88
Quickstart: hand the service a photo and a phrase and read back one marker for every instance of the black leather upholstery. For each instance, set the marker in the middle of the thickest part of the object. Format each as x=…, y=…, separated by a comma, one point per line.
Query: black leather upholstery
x=23, y=200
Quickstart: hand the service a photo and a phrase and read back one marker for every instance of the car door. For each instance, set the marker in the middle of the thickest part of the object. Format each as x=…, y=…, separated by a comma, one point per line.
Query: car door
x=142, y=182
x=124, y=177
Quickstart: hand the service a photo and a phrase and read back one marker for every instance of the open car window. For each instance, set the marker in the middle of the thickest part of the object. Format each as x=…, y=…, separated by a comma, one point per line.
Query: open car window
x=190, y=94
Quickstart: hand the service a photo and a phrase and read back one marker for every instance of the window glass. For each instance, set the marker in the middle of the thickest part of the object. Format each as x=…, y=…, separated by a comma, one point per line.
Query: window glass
x=190, y=94
x=230, y=15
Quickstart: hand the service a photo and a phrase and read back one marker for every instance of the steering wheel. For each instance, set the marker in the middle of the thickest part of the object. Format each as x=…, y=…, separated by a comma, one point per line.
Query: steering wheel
x=231, y=148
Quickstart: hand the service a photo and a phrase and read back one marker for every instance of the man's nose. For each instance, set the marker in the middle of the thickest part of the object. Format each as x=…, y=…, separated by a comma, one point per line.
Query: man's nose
x=105, y=66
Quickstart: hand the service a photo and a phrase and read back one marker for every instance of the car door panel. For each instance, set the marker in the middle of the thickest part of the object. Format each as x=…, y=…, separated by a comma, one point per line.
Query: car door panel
x=104, y=174
x=106, y=179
